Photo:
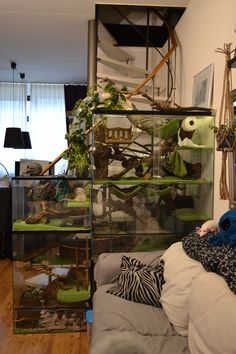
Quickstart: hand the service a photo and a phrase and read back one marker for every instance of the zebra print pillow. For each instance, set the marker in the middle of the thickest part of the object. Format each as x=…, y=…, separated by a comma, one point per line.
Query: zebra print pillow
x=139, y=282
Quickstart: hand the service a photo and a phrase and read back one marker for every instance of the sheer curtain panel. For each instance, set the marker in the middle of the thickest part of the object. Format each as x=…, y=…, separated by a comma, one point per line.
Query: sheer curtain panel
x=12, y=114
x=47, y=123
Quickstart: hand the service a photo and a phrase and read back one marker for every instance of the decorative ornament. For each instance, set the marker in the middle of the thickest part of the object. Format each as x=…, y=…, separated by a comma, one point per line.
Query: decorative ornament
x=225, y=133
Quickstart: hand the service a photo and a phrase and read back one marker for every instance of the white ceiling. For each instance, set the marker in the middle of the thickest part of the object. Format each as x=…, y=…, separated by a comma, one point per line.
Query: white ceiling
x=47, y=39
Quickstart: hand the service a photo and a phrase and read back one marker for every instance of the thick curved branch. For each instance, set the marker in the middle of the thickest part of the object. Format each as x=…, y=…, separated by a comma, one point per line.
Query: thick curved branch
x=162, y=62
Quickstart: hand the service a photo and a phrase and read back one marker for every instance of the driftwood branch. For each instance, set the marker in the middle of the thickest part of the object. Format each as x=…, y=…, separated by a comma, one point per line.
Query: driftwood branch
x=128, y=168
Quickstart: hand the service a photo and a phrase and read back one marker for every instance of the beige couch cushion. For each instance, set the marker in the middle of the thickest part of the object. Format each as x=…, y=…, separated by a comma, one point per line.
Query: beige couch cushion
x=212, y=309
x=112, y=314
x=179, y=273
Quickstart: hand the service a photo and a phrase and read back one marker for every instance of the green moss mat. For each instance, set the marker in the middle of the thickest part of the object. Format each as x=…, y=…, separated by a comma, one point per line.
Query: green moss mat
x=39, y=330
x=202, y=148
x=154, y=244
x=75, y=204
x=155, y=181
x=72, y=295
x=53, y=260
x=21, y=225
x=190, y=215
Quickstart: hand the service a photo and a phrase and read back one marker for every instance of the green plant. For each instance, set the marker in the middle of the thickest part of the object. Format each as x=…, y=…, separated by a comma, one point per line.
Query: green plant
x=225, y=137
x=78, y=153
x=222, y=127
x=108, y=97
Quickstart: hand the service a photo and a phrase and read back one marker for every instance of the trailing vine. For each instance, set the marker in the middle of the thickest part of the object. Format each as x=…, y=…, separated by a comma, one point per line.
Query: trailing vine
x=107, y=97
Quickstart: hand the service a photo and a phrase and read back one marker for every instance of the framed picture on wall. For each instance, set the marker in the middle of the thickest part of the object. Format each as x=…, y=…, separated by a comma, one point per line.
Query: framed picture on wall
x=26, y=167
x=203, y=88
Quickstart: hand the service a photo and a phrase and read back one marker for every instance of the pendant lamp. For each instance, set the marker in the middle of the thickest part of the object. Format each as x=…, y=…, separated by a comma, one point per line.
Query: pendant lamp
x=13, y=138
x=27, y=141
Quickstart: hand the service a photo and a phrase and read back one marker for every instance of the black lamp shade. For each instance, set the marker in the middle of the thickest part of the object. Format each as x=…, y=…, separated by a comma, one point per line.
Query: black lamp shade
x=27, y=141
x=13, y=138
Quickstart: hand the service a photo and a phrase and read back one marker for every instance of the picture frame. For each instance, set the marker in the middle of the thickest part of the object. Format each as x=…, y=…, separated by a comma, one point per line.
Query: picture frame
x=23, y=167
x=203, y=88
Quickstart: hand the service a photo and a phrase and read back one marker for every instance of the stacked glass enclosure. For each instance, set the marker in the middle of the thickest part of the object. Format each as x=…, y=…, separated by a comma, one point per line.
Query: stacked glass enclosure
x=51, y=253
x=152, y=177
x=152, y=183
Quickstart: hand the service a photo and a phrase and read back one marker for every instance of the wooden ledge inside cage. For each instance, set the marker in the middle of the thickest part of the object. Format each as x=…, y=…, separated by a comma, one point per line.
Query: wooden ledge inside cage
x=118, y=135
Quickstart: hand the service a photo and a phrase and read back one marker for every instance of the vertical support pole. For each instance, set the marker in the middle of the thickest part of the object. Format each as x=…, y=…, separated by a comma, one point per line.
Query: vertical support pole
x=92, y=54
x=168, y=91
x=147, y=40
x=77, y=264
x=87, y=264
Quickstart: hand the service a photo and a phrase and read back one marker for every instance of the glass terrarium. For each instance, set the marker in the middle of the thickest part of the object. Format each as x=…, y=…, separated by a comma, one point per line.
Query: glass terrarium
x=152, y=175
x=50, y=204
x=51, y=221
x=51, y=281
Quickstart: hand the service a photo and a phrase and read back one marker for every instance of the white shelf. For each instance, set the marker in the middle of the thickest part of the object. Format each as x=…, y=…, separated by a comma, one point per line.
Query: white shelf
x=125, y=80
x=126, y=69
x=104, y=35
x=115, y=52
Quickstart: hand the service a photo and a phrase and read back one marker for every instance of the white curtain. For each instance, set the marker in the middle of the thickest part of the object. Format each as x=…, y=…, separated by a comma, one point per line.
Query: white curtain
x=47, y=123
x=12, y=114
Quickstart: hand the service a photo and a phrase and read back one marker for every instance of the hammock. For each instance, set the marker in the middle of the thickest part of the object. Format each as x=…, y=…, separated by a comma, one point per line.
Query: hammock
x=128, y=193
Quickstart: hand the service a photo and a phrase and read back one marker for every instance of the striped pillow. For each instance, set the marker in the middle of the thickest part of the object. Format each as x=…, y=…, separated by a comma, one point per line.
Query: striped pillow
x=139, y=282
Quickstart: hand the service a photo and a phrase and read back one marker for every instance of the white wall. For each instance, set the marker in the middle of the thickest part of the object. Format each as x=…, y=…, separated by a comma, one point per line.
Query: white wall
x=205, y=26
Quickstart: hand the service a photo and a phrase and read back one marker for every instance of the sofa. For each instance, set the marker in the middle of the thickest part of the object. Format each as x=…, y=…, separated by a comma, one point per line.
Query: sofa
x=197, y=313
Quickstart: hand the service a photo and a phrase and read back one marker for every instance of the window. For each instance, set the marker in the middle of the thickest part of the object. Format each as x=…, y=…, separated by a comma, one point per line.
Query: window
x=46, y=122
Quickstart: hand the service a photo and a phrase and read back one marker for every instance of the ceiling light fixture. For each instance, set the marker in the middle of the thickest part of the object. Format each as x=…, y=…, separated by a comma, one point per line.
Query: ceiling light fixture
x=14, y=137
x=25, y=135
x=27, y=141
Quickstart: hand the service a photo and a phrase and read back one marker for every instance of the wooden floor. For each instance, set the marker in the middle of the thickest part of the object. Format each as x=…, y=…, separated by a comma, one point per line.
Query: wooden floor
x=66, y=343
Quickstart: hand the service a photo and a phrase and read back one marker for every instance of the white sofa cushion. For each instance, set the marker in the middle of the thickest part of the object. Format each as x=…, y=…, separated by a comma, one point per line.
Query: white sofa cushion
x=112, y=314
x=179, y=272
x=212, y=310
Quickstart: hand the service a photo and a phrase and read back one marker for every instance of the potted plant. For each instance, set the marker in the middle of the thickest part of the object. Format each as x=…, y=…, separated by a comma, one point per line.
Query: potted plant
x=225, y=137
x=77, y=154
x=108, y=97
